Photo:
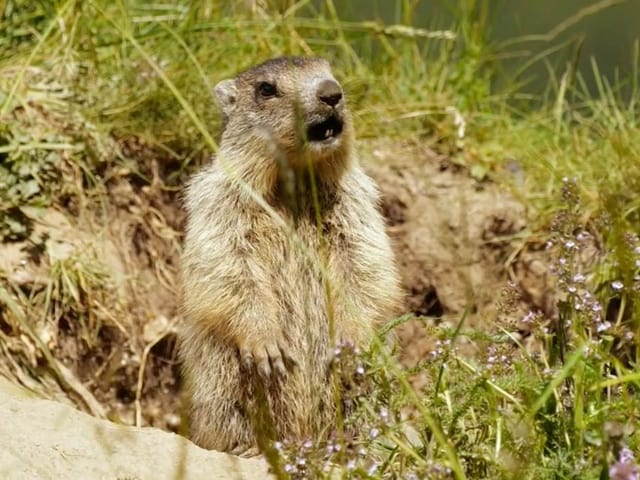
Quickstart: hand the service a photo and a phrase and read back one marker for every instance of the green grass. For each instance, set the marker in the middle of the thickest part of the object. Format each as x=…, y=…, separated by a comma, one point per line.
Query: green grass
x=95, y=91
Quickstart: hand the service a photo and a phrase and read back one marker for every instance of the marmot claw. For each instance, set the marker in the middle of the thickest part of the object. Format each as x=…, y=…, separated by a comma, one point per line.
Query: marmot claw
x=269, y=359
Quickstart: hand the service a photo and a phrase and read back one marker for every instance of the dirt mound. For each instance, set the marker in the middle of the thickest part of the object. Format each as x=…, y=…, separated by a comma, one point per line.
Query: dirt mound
x=452, y=234
x=90, y=306
x=91, y=297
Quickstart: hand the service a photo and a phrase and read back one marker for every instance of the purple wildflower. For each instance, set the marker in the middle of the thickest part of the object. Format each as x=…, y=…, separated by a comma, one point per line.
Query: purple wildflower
x=625, y=468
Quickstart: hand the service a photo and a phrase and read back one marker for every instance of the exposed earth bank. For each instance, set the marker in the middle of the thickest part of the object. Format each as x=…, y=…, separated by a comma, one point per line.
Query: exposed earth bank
x=92, y=307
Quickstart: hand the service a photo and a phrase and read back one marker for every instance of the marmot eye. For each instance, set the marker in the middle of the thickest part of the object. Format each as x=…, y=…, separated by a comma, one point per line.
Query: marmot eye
x=267, y=89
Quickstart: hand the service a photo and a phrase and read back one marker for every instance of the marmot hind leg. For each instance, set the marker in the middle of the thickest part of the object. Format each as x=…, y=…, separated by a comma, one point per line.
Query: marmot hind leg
x=223, y=428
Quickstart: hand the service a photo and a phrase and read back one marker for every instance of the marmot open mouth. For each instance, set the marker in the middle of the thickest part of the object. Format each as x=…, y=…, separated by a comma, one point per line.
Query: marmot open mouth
x=330, y=128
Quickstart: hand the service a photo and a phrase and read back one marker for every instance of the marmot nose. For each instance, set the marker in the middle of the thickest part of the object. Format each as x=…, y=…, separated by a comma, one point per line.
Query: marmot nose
x=329, y=92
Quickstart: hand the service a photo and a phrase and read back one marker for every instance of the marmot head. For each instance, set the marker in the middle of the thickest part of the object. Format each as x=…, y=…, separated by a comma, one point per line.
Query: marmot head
x=289, y=108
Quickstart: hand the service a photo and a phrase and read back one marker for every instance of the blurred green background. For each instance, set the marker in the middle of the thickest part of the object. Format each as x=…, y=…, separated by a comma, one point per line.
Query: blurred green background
x=550, y=33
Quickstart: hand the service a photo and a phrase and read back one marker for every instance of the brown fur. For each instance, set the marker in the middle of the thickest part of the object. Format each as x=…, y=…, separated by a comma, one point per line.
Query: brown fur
x=259, y=293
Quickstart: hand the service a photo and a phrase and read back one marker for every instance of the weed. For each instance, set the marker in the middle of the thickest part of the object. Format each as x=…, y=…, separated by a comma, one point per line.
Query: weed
x=105, y=107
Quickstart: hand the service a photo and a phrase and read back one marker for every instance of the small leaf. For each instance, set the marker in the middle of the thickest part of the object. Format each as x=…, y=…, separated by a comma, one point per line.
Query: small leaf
x=479, y=172
x=29, y=189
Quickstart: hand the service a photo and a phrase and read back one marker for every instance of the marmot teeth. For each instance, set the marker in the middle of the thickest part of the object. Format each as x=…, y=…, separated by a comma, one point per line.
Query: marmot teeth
x=328, y=133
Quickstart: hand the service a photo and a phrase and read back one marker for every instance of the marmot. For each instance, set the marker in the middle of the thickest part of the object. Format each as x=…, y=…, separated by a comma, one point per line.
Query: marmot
x=266, y=298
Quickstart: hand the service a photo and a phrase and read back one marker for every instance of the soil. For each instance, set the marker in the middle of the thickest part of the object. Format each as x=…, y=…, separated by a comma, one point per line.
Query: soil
x=451, y=234
x=110, y=333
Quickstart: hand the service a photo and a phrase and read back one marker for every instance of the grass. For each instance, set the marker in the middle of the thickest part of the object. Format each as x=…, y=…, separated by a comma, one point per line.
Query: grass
x=96, y=95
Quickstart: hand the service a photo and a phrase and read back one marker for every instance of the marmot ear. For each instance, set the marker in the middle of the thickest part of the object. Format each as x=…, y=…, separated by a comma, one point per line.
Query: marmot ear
x=226, y=93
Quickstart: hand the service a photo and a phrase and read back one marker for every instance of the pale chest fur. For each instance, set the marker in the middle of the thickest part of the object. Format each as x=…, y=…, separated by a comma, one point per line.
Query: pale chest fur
x=314, y=272
x=338, y=269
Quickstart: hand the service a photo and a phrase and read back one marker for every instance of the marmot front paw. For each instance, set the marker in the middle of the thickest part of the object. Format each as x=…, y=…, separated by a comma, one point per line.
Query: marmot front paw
x=269, y=357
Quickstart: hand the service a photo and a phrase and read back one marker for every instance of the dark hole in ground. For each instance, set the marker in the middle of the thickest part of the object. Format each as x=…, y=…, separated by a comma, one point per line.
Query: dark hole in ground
x=613, y=310
x=16, y=217
x=36, y=248
x=394, y=211
x=425, y=303
x=165, y=348
x=124, y=394
x=4, y=325
x=163, y=370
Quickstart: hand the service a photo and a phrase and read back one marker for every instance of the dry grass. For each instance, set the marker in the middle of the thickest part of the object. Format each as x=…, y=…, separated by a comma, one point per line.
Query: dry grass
x=104, y=111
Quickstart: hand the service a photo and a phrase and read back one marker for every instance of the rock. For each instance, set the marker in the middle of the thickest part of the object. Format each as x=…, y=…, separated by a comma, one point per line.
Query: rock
x=42, y=439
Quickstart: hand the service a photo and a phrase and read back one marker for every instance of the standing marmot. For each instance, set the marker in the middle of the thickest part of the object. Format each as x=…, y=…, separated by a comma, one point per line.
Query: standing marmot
x=266, y=298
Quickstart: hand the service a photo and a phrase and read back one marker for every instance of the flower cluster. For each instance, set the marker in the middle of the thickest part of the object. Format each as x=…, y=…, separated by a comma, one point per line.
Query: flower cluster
x=357, y=450
x=625, y=468
x=573, y=283
x=347, y=363
x=341, y=450
x=510, y=297
x=440, y=348
x=633, y=242
x=497, y=359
